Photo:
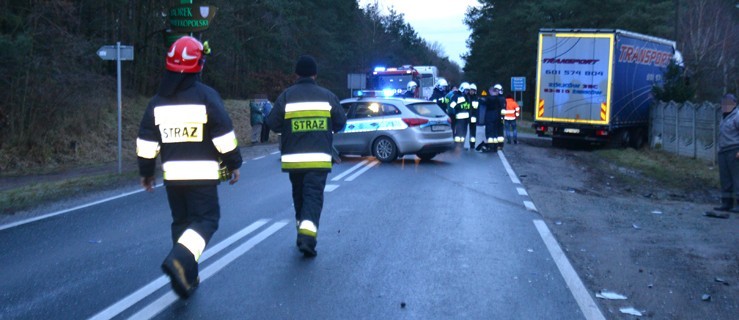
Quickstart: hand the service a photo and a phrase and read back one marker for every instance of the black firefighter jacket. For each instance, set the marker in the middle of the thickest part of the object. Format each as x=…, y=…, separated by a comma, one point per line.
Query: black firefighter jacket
x=189, y=125
x=306, y=115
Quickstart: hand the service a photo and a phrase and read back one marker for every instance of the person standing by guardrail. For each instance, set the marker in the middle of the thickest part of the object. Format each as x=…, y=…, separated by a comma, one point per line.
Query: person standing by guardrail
x=728, y=153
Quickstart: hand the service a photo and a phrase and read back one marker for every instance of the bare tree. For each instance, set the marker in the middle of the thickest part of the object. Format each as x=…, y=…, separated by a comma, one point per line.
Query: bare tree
x=708, y=41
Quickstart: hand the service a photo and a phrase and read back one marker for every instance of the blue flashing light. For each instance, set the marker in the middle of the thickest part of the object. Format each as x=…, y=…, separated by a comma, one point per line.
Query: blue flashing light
x=388, y=92
x=379, y=69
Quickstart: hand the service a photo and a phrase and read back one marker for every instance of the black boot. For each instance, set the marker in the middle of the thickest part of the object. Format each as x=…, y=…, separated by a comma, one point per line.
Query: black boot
x=726, y=204
x=182, y=269
x=307, y=245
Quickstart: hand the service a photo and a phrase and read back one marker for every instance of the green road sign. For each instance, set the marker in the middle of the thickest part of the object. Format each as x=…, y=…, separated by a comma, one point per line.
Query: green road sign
x=191, y=18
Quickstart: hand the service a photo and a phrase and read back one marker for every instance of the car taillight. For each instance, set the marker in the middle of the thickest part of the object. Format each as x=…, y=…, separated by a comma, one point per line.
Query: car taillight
x=412, y=122
x=602, y=133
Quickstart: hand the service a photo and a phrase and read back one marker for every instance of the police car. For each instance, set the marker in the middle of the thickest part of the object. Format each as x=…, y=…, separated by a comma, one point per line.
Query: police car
x=391, y=127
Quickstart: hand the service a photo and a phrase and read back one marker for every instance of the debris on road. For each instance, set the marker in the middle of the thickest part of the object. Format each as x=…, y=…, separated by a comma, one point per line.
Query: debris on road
x=610, y=295
x=636, y=226
x=631, y=311
x=721, y=280
x=657, y=212
x=719, y=215
x=530, y=250
x=559, y=223
x=706, y=297
x=402, y=304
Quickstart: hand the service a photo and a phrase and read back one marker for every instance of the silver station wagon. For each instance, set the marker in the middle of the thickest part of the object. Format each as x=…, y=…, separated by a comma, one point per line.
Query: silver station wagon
x=389, y=127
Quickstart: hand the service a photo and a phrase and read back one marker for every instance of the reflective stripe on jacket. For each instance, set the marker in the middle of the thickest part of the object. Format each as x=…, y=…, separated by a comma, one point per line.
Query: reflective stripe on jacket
x=193, y=133
x=306, y=115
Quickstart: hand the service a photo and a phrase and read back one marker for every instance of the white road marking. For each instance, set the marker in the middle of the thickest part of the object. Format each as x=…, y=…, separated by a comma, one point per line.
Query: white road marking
x=522, y=192
x=350, y=170
x=579, y=292
x=370, y=165
x=257, y=158
x=508, y=168
x=330, y=187
x=49, y=215
x=162, y=281
x=167, y=299
x=276, y=152
x=530, y=205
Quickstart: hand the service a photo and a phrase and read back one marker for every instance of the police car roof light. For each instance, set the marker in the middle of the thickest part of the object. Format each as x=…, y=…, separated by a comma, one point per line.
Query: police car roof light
x=379, y=69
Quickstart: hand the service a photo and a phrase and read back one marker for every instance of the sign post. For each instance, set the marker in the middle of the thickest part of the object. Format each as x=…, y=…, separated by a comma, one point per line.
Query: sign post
x=117, y=53
x=518, y=86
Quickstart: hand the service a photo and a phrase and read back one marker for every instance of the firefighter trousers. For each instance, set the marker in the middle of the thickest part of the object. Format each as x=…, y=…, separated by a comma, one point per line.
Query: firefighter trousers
x=194, y=207
x=460, y=130
x=308, y=194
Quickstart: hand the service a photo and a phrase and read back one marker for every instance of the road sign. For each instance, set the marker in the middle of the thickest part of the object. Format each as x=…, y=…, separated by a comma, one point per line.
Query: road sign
x=108, y=53
x=191, y=18
x=518, y=83
x=356, y=81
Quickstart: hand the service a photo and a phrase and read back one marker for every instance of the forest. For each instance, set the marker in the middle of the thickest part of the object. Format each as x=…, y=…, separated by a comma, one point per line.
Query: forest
x=55, y=92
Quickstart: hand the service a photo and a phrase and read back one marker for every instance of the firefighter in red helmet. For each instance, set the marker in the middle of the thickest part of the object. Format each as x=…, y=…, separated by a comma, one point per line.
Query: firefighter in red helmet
x=186, y=123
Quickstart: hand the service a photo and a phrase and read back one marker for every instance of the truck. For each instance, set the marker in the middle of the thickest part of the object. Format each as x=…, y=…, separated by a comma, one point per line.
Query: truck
x=595, y=85
x=394, y=80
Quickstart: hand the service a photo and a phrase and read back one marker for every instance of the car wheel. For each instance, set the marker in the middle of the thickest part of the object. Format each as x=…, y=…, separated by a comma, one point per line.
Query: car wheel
x=384, y=149
x=425, y=156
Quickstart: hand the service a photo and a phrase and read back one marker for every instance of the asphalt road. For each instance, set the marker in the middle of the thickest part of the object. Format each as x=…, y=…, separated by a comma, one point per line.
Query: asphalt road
x=454, y=238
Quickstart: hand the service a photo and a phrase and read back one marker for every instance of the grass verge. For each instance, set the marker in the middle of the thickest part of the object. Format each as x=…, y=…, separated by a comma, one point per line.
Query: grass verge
x=665, y=168
x=29, y=196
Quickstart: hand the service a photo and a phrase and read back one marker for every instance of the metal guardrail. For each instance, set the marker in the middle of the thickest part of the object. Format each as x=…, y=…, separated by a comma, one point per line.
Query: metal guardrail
x=685, y=129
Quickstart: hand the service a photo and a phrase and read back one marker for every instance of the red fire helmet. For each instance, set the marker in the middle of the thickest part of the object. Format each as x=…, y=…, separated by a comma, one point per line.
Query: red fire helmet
x=185, y=55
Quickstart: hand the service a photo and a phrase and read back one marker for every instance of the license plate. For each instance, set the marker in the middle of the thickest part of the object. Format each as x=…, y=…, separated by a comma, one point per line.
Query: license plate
x=572, y=130
x=438, y=127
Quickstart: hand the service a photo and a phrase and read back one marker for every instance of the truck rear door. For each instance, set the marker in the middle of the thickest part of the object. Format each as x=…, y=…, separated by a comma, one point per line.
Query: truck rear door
x=573, y=77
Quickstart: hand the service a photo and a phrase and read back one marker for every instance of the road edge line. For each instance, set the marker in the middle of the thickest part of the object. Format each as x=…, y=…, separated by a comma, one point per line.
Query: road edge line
x=587, y=305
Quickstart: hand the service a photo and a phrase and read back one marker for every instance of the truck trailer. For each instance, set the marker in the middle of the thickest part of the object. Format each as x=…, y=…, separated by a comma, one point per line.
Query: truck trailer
x=596, y=84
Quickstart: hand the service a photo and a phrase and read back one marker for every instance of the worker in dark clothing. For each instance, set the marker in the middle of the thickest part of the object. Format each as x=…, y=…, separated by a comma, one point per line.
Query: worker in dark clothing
x=187, y=122
x=495, y=106
x=728, y=153
x=307, y=115
x=439, y=94
x=461, y=109
x=474, y=114
x=411, y=90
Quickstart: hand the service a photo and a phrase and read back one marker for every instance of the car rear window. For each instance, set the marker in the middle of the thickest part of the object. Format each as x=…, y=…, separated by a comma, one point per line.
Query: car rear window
x=429, y=109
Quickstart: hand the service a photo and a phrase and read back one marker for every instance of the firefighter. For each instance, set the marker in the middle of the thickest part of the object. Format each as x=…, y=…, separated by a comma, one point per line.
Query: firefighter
x=474, y=114
x=512, y=112
x=449, y=109
x=495, y=106
x=461, y=106
x=186, y=121
x=307, y=115
x=439, y=95
x=410, y=91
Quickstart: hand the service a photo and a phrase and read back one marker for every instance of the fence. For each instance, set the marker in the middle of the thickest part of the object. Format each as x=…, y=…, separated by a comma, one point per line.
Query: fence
x=685, y=129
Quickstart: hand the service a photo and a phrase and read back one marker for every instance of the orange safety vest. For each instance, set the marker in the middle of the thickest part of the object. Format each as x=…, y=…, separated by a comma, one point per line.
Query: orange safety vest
x=512, y=110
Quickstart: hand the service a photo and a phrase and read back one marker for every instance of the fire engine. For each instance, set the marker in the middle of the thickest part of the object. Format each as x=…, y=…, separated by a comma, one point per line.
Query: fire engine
x=394, y=81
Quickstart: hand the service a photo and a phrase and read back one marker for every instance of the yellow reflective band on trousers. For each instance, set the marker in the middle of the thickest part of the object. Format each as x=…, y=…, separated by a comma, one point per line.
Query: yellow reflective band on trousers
x=473, y=119
x=472, y=139
x=226, y=142
x=183, y=113
x=475, y=104
x=147, y=149
x=193, y=242
x=463, y=115
x=306, y=161
x=308, y=228
x=190, y=170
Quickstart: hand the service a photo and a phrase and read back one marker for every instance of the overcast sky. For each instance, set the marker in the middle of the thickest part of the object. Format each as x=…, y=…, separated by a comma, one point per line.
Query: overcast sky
x=436, y=21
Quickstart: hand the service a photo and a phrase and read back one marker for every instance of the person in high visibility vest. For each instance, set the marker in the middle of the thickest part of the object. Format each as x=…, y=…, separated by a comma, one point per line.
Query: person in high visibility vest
x=188, y=124
x=307, y=115
x=512, y=112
